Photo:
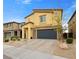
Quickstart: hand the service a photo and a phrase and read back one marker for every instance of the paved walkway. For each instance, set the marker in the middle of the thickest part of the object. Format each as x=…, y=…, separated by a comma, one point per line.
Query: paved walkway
x=35, y=49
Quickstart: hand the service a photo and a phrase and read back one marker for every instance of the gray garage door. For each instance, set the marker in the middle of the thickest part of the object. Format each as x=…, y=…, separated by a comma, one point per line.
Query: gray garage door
x=46, y=34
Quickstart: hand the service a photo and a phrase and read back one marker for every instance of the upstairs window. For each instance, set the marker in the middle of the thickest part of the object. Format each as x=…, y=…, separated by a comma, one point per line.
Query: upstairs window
x=43, y=18
x=9, y=25
x=56, y=14
x=6, y=25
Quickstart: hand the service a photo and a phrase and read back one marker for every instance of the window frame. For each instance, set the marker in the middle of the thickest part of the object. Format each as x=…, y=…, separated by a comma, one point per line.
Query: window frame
x=42, y=18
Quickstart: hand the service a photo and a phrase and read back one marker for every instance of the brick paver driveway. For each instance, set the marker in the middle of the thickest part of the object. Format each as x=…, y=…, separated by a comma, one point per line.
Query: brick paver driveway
x=33, y=49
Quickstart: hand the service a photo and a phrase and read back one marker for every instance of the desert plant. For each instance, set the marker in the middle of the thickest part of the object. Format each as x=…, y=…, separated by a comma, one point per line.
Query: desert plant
x=14, y=38
x=18, y=39
x=6, y=40
x=69, y=41
x=59, y=29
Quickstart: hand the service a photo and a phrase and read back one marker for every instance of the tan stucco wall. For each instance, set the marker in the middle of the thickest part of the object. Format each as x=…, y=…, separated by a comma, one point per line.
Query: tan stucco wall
x=35, y=18
x=72, y=25
x=50, y=18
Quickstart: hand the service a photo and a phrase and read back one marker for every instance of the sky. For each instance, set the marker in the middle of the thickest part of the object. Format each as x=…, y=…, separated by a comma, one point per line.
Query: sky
x=16, y=10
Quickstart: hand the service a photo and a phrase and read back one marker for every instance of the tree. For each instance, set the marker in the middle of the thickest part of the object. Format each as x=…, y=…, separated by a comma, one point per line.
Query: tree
x=60, y=34
x=59, y=29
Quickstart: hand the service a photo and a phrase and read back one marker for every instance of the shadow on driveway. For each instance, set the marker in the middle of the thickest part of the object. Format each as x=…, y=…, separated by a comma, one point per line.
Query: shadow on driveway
x=6, y=57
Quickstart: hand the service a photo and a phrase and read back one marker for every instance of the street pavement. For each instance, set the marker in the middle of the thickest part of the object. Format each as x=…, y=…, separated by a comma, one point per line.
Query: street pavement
x=34, y=49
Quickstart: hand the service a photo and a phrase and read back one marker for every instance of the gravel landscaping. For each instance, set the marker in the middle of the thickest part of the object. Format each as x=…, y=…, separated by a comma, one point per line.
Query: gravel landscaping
x=42, y=46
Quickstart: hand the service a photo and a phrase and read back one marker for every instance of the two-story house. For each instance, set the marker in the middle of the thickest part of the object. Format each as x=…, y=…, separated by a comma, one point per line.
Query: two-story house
x=72, y=25
x=42, y=24
x=12, y=29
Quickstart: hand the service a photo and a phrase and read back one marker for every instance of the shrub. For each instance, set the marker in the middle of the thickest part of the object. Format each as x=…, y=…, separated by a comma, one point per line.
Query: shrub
x=14, y=38
x=6, y=40
x=18, y=39
x=69, y=41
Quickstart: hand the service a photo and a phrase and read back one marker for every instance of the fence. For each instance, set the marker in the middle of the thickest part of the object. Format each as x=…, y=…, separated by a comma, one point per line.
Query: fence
x=67, y=35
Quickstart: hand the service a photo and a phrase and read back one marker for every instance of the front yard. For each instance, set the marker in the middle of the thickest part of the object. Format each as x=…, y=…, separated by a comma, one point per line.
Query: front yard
x=69, y=53
x=45, y=46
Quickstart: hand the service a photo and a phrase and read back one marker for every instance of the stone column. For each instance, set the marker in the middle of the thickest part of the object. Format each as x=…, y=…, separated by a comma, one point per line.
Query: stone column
x=26, y=33
x=18, y=33
x=36, y=34
x=29, y=33
x=22, y=33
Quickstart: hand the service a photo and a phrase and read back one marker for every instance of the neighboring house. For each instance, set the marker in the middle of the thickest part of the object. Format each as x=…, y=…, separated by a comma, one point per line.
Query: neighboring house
x=12, y=29
x=42, y=24
x=72, y=25
x=21, y=24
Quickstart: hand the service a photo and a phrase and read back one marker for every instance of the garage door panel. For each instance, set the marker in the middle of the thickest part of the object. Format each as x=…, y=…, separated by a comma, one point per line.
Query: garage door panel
x=46, y=34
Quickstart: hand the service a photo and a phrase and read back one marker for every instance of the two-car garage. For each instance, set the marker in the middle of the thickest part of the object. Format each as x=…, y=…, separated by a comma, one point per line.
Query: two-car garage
x=47, y=34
